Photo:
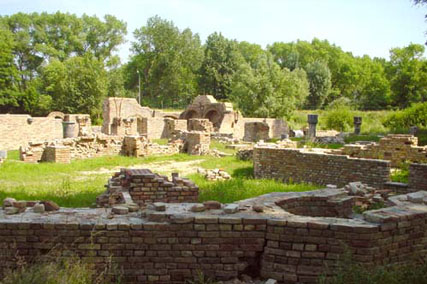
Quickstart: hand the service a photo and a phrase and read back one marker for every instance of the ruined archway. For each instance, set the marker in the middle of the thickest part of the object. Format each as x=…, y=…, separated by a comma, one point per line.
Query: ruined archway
x=215, y=117
x=190, y=114
x=57, y=115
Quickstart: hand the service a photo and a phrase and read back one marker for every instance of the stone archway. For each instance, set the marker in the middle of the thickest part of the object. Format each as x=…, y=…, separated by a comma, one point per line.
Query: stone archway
x=57, y=115
x=190, y=114
x=215, y=117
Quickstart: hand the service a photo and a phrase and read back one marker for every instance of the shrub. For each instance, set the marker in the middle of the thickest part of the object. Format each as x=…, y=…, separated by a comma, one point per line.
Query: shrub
x=339, y=118
x=416, y=115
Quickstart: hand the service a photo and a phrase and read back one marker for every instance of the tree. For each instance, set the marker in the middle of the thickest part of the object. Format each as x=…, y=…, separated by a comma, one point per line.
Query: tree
x=77, y=85
x=267, y=90
x=221, y=61
x=9, y=94
x=168, y=60
x=407, y=72
x=319, y=79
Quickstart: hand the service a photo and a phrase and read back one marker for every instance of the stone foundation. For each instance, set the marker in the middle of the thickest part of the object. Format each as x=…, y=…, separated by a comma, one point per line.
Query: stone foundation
x=57, y=154
x=145, y=186
x=79, y=148
x=320, y=168
x=417, y=177
x=174, y=245
x=397, y=148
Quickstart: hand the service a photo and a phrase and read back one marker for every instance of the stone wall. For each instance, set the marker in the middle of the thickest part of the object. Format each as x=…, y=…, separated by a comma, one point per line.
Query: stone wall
x=318, y=168
x=17, y=130
x=79, y=147
x=140, y=146
x=200, y=124
x=417, y=177
x=175, y=244
x=397, y=148
x=57, y=154
x=145, y=187
x=256, y=131
x=154, y=128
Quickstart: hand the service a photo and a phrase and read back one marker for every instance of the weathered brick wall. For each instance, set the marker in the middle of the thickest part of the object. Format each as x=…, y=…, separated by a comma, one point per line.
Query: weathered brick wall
x=200, y=124
x=15, y=130
x=318, y=168
x=57, y=154
x=172, y=246
x=397, y=148
x=417, y=176
x=79, y=148
x=154, y=128
x=256, y=131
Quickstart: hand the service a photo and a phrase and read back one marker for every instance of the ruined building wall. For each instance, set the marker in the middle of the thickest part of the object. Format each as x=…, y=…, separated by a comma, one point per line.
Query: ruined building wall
x=397, y=148
x=16, y=130
x=174, y=245
x=318, y=168
x=417, y=179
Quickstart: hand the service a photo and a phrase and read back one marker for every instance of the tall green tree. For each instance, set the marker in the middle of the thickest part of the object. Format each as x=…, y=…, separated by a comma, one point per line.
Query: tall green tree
x=407, y=72
x=9, y=94
x=221, y=61
x=267, y=90
x=168, y=60
x=319, y=78
x=77, y=85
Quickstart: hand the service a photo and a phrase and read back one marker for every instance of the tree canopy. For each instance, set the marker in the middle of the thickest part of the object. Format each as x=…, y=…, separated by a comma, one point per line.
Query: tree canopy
x=64, y=62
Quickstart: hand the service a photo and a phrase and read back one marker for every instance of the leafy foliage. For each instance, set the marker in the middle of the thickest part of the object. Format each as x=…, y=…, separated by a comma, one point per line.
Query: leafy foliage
x=415, y=115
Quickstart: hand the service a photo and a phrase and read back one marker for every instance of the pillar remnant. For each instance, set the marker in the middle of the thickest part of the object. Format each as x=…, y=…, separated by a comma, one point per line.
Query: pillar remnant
x=312, y=120
x=413, y=130
x=68, y=128
x=357, y=124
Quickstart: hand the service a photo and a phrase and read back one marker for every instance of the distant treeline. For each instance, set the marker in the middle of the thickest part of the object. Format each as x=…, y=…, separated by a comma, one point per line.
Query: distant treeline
x=68, y=63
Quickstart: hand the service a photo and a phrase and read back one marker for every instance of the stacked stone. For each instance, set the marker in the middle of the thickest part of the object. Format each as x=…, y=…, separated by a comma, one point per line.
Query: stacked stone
x=417, y=177
x=397, y=148
x=319, y=206
x=245, y=154
x=33, y=152
x=215, y=174
x=197, y=142
x=318, y=168
x=57, y=154
x=200, y=124
x=145, y=186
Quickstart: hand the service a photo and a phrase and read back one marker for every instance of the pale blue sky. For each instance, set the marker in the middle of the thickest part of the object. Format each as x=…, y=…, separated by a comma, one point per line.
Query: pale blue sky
x=361, y=26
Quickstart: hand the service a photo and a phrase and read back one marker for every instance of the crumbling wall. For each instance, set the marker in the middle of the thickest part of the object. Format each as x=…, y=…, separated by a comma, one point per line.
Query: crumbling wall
x=18, y=129
x=79, y=147
x=318, y=168
x=154, y=127
x=417, y=177
x=200, y=124
x=140, y=146
x=145, y=187
x=397, y=148
x=174, y=125
x=173, y=243
x=256, y=131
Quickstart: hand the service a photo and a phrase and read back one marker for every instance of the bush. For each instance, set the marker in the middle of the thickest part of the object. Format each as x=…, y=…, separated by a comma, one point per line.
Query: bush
x=339, y=118
x=416, y=115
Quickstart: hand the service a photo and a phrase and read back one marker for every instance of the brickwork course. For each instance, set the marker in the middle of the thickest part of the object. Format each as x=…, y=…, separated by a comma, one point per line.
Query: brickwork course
x=301, y=165
x=397, y=148
x=172, y=244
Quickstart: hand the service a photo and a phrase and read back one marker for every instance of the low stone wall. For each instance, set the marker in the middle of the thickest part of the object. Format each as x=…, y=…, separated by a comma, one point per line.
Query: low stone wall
x=174, y=245
x=417, y=177
x=318, y=168
x=140, y=146
x=145, y=186
x=16, y=130
x=79, y=148
x=397, y=148
x=200, y=124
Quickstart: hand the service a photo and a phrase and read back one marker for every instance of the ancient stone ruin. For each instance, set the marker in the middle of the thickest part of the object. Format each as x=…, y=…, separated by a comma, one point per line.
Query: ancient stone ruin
x=141, y=186
x=289, y=237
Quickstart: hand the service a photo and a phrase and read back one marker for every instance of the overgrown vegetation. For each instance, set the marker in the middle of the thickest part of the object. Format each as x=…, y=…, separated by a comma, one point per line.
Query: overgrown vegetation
x=54, y=269
x=349, y=271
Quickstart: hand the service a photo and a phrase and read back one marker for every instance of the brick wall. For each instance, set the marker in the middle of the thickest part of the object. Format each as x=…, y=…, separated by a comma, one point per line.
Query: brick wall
x=15, y=130
x=318, y=168
x=174, y=245
x=417, y=176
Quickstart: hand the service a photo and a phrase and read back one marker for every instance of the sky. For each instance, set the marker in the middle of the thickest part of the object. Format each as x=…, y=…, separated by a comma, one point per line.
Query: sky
x=362, y=27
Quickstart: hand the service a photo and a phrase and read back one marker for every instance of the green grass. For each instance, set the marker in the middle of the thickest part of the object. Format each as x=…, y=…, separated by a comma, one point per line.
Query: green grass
x=64, y=183
x=161, y=141
x=69, y=187
x=221, y=147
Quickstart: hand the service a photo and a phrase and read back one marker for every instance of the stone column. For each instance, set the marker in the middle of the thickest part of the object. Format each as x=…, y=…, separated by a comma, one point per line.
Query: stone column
x=413, y=130
x=312, y=122
x=68, y=128
x=357, y=123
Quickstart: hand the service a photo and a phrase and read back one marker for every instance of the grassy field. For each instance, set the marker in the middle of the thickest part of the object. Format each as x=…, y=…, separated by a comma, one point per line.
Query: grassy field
x=77, y=184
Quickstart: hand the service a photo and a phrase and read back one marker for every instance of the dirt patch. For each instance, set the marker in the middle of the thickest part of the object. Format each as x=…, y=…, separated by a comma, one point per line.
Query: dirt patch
x=165, y=168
